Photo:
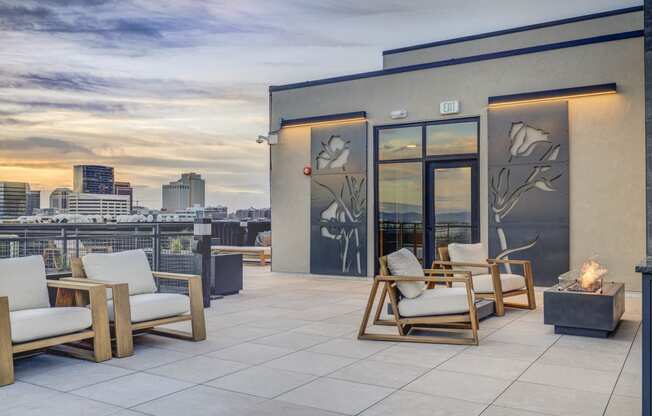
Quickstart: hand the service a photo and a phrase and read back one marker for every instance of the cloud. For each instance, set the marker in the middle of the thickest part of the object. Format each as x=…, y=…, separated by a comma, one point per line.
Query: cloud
x=43, y=145
x=92, y=107
x=11, y=121
x=116, y=86
x=352, y=9
x=132, y=25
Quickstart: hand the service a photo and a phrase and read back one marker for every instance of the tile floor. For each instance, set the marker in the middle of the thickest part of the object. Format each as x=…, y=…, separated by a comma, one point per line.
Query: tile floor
x=287, y=346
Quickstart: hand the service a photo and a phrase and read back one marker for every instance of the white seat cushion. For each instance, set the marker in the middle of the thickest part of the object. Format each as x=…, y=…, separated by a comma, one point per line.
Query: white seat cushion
x=482, y=283
x=468, y=253
x=404, y=263
x=439, y=301
x=32, y=324
x=150, y=306
x=22, y=280
x=129, y=267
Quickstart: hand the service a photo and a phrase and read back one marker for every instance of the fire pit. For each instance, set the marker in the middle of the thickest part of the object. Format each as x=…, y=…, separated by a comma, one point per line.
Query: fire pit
x=583, y=303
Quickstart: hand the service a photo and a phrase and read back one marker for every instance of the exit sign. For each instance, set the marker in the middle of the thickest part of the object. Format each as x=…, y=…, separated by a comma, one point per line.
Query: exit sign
x=449, y=107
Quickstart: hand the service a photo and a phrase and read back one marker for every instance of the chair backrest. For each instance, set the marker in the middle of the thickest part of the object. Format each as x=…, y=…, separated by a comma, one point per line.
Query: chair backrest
x=443, y=254
x=22, y=280
x=404, y=263
x=384, y=271
x=131, y=267
x=468, y=253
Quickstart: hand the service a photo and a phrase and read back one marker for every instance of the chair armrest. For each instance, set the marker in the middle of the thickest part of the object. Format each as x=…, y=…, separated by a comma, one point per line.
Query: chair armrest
x=4, y=305
x=176, y=276
x=509, y=261
x=105, y=283
x=85, y=287
x=465, y=278
x=460, y=264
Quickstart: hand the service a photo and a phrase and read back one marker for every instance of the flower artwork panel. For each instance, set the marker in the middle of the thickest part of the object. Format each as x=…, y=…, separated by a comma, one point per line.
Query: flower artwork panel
x=529, y=187
x=338, y=230
x=338, y=216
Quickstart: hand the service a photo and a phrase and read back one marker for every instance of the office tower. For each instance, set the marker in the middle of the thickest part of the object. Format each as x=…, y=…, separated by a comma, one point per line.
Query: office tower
x=253, y=213
x=187, y=192
x=59, y=199
x=124, y=188
x=98, y=204
x=93, y=179
x=219, y=212
x=13, y=199
x=33, y=201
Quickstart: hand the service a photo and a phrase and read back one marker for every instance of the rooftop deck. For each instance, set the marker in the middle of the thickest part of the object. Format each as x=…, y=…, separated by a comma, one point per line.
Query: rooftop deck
x=287, y=346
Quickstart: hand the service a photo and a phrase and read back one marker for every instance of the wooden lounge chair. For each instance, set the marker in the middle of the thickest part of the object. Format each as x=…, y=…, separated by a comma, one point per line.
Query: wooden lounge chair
x=134, y=304
x=263, y=254
x=488, y=281
x=29, y=324
x=432, y=306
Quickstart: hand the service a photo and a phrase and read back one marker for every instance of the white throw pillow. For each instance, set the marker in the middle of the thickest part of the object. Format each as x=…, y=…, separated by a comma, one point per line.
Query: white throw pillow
x=129, y=267
x=468, y=253
x=22, y=280
x=404, y=263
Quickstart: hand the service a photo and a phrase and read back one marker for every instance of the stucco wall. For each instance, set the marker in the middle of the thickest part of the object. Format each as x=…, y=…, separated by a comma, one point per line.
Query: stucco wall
x=607, y=142
x=589, y=28
x=290, y=197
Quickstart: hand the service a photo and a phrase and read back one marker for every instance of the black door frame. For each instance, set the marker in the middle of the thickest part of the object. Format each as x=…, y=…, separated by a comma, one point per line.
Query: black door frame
x=429, y=211
x=425, y=159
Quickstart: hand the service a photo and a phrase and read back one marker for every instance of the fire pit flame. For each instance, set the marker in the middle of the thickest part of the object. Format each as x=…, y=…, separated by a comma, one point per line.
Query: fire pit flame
x=591, y=274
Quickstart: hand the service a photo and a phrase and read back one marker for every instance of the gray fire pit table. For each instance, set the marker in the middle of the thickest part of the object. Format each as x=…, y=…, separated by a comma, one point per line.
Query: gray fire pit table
x=584, y=313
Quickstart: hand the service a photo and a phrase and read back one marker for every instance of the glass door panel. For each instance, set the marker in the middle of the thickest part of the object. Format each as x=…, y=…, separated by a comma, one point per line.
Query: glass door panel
x=400, y=208
x=452, y=205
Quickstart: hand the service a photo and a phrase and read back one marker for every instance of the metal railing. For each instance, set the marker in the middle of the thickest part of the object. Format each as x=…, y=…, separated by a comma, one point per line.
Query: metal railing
x=395, y=235
x=168, y=247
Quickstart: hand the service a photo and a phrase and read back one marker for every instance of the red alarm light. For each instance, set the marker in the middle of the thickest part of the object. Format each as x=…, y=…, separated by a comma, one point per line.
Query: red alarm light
x=307, y=170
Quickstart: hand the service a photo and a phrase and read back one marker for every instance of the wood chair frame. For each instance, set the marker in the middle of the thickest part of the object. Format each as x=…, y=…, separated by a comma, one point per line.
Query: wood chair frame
x=434, y=323
x=97, y=339
x=263, y=254
x=122, y=328
x=493, y=266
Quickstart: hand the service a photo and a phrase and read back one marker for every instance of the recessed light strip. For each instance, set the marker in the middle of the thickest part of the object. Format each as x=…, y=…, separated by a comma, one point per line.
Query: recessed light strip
x=551, y=95
x=325, y=119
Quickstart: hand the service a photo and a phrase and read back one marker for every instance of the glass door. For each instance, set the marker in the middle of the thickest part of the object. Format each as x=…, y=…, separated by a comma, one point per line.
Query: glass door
x=452, y=214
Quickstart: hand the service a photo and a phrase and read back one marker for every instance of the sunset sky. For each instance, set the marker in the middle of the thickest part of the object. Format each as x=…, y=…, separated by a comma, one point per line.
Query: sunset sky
x=156, y=88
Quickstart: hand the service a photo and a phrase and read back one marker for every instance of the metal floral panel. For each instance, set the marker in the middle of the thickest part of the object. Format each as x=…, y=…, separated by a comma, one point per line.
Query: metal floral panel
x=338, y=232
x=529, y=187
x=339, y=148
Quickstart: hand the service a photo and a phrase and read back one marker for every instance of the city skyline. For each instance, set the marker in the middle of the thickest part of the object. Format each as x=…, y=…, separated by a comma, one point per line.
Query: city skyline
x=159, y=88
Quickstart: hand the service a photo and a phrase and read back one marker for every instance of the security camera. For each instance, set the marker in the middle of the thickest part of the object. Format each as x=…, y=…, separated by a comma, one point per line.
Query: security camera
x=261, y=139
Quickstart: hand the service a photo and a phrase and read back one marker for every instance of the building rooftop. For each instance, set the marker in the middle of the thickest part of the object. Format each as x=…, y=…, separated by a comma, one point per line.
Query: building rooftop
x=287, y=346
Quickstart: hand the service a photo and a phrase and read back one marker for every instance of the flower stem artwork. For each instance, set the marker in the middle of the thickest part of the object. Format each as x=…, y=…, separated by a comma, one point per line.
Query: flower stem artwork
x=525, y=143
x=338, y=243
x=343, y=219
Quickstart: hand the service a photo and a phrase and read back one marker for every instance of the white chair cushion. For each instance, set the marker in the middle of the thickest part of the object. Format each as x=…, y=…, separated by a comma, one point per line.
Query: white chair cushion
x=403, y=263
x=33, y=324
x=150, y=306
x=439, y=301
x=129, y=267
x=22, y=279
x=468, y=253
x=483, y=283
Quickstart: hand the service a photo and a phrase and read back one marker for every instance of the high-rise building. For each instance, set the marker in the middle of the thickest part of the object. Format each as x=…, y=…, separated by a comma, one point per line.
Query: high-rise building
x=219, y=212
x=93, y=179
x=187, y=192
x=124, y=188
x=176, y=196
x=98, y=204
x=253, y=214
x=13, y=199
x=33, y=201
x=59, y=199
